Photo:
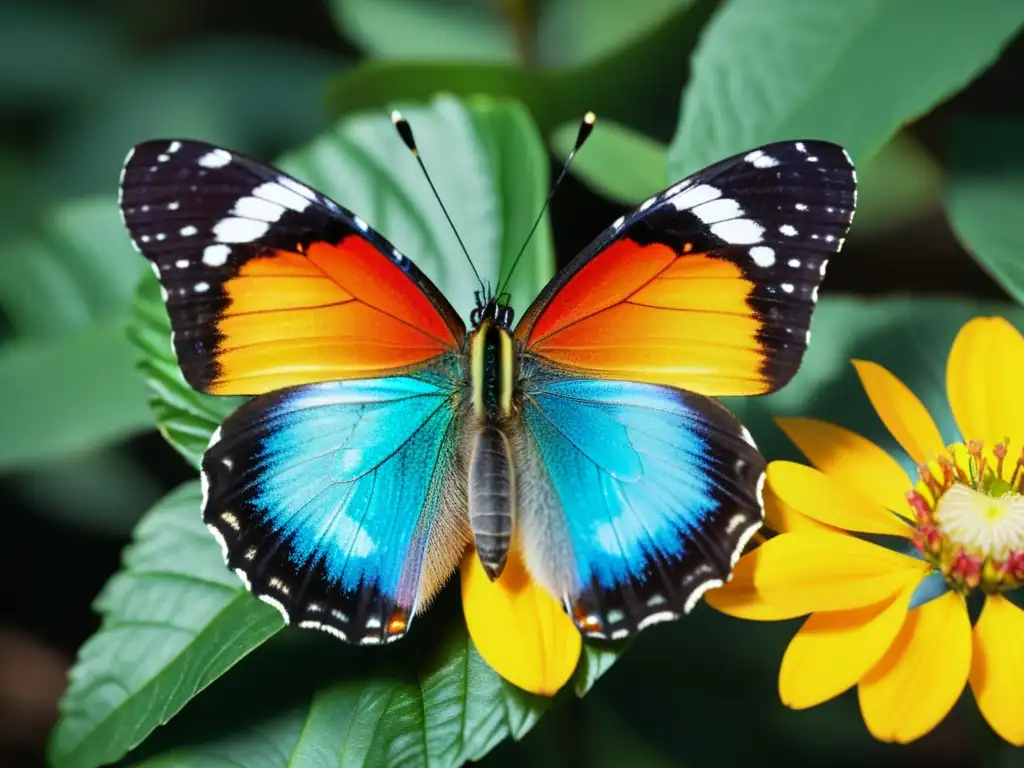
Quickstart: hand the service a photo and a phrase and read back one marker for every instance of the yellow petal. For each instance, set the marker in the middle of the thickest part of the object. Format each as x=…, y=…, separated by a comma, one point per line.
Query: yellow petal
x=781, y=517
x=903, y=414
x=997, y=669
x=853, y=460
x=519, y=628
x=794, y=574
x=835, y=649
x=983, y=376
x=818, y=496
x=739, y=598
x=923, y=673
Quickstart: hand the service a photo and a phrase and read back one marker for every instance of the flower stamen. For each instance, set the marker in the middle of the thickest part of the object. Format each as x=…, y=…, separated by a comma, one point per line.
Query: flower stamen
x=970, y=517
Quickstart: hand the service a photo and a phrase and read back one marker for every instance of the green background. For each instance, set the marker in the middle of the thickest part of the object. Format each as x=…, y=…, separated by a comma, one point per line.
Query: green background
x=108, y=571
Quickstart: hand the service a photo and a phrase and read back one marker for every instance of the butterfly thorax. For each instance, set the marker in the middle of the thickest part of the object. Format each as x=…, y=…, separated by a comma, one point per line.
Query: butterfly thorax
x=492, y=498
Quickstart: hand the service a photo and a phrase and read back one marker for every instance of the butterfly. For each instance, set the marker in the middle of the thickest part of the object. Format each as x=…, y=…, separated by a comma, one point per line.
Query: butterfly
x=383, y=437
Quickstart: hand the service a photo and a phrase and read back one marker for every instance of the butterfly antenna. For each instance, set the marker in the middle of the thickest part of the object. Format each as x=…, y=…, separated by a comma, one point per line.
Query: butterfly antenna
x=586, y=126
x=405, y=131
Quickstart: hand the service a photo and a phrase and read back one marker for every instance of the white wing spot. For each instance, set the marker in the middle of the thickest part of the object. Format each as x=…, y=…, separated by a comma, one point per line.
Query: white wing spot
x=801, y=147
x=295, y=186
x=360, y=223
x=181, y=263
x=738, y=231
x=618, y=222
x=188, y=231
x=648, y=203
x=163, y=158
x=762, y=255
x=812, y=159
x=202, y=287
x=787, y=287
x=216, y=158
x=823, y=267
x=788, y=230
x=794, y=263
x=274, y=603
x=173, y=147
x=759, y=159
x=173, y=206
x=161, y=236
x=801, y=207
x=144, y=238
x=216, y=255
x=814, y=293
x=274, y=192
x=259, y=209
x=694, y=196
x=673, y=191
x=721, y=209
x=660, y=616
x=330, y=629
x=236, y=230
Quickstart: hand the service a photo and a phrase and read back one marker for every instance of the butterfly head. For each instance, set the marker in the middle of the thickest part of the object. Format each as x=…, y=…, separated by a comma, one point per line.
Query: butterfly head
x=496, y=309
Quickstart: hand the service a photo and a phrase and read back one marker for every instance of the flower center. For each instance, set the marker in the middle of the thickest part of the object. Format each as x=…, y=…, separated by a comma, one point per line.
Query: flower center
x=969, y=508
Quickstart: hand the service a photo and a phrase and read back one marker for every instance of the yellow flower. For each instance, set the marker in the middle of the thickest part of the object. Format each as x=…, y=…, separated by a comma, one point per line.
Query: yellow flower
x=872, y=622
x=518, y=627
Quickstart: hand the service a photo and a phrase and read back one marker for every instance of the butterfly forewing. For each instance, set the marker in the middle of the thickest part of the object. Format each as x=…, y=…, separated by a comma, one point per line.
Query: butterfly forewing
x=269, y=284
x=708, y=286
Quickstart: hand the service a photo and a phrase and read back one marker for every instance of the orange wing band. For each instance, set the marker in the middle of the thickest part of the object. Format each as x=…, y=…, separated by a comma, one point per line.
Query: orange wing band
x=336, y=312
x=646, y=313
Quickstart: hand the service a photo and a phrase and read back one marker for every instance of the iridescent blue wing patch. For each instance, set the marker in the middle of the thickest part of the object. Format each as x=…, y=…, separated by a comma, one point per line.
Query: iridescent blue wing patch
x=635, y=498
x=330, y=500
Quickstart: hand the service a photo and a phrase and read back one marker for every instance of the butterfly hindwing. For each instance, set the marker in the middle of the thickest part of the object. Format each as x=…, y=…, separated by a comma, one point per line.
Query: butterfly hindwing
x=636, y=498
x=708, y=286
x=270, y=284
x=338, y=502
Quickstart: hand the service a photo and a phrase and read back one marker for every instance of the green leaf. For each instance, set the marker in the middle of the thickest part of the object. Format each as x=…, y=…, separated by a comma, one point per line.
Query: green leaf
x=911, y=337
x=851, y=72
x=899, y=184
x=251, y=95
x=565, y=33
x=79, y=269
x=185, y=418
x=616, y=161
x=62, y=396
x=71, y=50
x=103, y=491
x=440, y=30
x=174, y=620
x=985, y=197
x=633, y=84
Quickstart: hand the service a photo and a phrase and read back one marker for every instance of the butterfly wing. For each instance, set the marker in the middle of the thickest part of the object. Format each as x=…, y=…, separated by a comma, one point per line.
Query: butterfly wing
x=634, y=499
x=708, y=286
x=337, y=502
x=269, y=284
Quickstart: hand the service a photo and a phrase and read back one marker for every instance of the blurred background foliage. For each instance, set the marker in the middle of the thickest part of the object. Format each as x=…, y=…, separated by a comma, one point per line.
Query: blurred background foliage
x=926, y=95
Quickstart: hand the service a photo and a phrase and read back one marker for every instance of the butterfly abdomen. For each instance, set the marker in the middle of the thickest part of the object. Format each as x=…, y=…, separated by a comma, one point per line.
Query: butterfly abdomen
x=492, y=503
x=492, y=499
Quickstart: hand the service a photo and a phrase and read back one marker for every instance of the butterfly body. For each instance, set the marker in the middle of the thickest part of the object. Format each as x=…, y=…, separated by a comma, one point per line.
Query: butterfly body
x=383, y=438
